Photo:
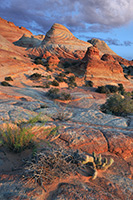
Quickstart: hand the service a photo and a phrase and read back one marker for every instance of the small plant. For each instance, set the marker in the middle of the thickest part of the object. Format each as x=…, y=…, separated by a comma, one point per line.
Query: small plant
x=62, y=114
x=118, y=105
x=35, y=76
x=71, y=82
x=103, y=89
x=65, y=96
x=112, y=88
x=46, y=166
x=55, y=83
x=35, y=68
x=48, y=77
x=8, y=78
x=97, y=162
x=59, y=79
x=17, y=139
x=38, y=61
x=47, y=85
x=4, y=83
x=121, y=88
x=89, y=84
x=53, y=93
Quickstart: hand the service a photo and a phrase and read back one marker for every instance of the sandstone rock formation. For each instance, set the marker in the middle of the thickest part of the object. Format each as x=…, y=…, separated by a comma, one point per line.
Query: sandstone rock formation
x=102, y=46
x=102, y=70
x=12, y=32
x=60, y=41
x=29, y=41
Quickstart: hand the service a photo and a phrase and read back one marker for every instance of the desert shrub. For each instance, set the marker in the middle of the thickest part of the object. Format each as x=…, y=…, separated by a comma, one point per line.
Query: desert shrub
x=118, y=105
x=66, y=64
x=47, y=85
x=62, y=75
x=103, y=89
x=65, y=96
x=4, y=83
x=55, y=83
x=35, y=76
x=59, y=79
x=51, y=163
x=17, y=139
x=38, y=61
x=89, y=84
x=121, y=88
x=71, y=82
x=35, y=68
x=8, y=78
x=48, y=77
x=53, y=93
x=112, y=88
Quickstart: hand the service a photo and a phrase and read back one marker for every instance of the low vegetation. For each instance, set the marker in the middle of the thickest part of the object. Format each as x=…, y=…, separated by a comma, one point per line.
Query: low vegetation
x=54, y=93
x=17, y=139
x=118, y=105
x=55, y=83
x=89, y=84
x=5, y=83
x=98, y=162
x=38, y=61
x=46, y=166
x=71, y=82
x=111, y=89
x=8, y=78
x=35, y=76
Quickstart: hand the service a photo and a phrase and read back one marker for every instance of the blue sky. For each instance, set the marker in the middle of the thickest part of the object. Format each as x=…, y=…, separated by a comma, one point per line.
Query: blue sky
x=109, y=20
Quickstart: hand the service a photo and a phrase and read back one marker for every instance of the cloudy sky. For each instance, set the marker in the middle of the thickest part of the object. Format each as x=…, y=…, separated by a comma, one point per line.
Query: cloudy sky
x=109, y=20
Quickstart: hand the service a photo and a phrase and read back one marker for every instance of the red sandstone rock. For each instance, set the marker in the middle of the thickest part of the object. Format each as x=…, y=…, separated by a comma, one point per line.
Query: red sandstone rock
x=12, y=32
x=102, y=71
x=46, y=55
x=107, y=57
x=53, y=60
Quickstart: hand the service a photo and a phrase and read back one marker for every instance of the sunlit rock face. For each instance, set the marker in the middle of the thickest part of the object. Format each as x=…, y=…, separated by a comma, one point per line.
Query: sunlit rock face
x=102, y=46
x=102, y=70
x=29, y=41
x=60, y=41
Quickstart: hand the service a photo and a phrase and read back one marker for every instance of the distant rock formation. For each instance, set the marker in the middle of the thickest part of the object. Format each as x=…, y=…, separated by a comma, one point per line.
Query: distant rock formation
x=102, y=46
x=101, y=70
x=29, y=41
x=61, y=42
x=11, y=32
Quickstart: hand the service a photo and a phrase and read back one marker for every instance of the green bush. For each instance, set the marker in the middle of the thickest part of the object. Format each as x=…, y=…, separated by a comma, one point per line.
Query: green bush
x=118, y=105
x=103, y=89
x=112, y=88
x=53, y=93
x=17, y=139
x=55, y=83
x=35, y=76
x=4, y=83
x=8, y=78
x=65, y=96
